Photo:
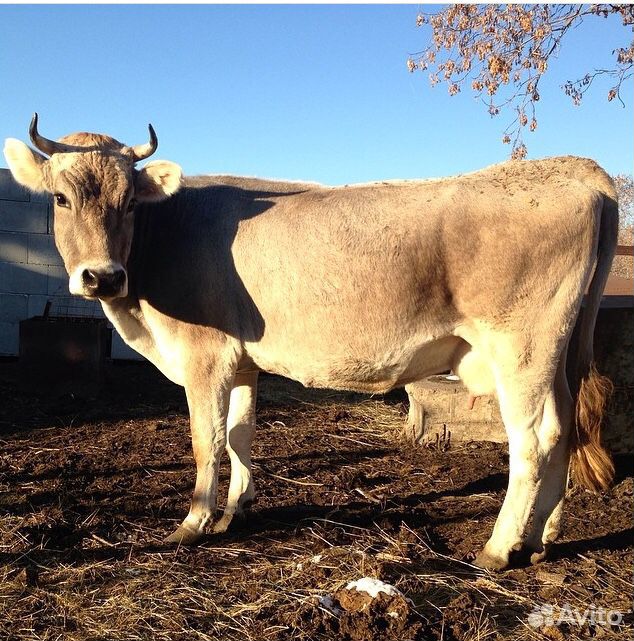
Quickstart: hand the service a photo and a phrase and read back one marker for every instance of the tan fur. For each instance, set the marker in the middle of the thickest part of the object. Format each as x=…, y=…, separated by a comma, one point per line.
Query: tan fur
x=92, y=141
x=367, y=287
x=158, y=179
x=26, y=165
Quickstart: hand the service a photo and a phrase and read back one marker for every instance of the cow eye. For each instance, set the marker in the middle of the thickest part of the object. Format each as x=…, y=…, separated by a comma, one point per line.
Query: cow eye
x=131, y=204
x=61, y=201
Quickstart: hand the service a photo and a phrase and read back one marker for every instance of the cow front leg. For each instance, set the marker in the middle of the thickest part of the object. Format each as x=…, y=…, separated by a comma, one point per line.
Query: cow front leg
x=208, y=401
x=240, y=431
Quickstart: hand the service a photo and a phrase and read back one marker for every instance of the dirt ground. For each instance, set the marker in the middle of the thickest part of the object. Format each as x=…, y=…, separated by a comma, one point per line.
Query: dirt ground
x=90, y=486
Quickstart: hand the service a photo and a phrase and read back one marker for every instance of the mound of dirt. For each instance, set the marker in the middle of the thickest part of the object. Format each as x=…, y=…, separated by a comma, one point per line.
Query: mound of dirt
x=352, y=615
x=381, y=617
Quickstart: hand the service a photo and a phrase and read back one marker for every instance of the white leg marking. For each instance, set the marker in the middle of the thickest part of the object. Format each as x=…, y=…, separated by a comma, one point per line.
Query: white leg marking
x=554, y=435
x=537, y=414
x=522, y=407
x=240, y=431
x=524, y=468
x=208, y=402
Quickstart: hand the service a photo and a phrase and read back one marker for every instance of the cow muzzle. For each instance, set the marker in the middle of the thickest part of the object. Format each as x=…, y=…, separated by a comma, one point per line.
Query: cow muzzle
x=100, y=282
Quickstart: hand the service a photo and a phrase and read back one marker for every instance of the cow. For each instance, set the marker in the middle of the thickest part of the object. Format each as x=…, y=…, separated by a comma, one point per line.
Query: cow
x=362, y=287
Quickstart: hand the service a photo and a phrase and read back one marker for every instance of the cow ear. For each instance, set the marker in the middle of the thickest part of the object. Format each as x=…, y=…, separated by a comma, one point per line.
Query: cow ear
x=26, y=165
x=157, y=181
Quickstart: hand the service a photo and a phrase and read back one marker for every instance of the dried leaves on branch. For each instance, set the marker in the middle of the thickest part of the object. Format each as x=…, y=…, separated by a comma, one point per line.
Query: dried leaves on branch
x=502, y=51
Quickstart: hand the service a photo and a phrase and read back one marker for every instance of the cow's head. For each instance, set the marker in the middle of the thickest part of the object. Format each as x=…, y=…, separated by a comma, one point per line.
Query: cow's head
x=95, y=188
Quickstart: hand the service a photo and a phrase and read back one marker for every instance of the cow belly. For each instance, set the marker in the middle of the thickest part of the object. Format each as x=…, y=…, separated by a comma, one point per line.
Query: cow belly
x=377, y=371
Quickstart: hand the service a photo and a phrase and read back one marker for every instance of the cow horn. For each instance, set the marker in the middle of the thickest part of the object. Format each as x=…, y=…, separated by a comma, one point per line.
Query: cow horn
x=141, y=152
x=45, y=145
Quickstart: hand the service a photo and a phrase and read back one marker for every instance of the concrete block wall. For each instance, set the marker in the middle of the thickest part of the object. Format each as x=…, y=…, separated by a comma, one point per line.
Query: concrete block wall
x=31, y=269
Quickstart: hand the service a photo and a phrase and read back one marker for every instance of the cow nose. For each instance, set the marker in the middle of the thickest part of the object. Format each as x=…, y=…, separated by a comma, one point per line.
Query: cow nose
x=103, y=283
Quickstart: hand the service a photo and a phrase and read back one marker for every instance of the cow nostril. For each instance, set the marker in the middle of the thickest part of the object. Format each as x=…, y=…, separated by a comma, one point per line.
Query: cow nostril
x=90, y=279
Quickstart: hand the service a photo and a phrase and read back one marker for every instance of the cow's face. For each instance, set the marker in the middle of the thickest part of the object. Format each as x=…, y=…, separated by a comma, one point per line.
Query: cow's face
x=95, y=188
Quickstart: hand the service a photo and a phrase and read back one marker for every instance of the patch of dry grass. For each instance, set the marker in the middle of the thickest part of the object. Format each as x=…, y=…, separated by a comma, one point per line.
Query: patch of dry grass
x=231, y=592
x=265, y=584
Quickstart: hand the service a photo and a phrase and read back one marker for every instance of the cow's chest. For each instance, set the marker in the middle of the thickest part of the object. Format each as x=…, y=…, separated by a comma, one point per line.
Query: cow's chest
x=151, y=339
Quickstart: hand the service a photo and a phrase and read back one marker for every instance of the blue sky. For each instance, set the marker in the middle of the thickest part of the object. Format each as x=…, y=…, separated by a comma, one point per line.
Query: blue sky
x=303, y=92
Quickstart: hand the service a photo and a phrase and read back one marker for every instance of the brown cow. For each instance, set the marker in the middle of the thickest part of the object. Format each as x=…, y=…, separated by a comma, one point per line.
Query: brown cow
x=363, y=287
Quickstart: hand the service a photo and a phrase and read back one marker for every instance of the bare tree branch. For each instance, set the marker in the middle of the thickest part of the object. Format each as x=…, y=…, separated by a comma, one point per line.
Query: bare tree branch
x=504, y=51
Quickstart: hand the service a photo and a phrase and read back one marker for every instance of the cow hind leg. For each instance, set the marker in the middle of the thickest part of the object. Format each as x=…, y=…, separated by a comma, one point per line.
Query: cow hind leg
x=526, y=405
x=240, y=431
x=554, y=435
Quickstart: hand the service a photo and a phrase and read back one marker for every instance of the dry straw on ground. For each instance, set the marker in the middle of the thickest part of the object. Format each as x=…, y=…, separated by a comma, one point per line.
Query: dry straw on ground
x=86, y=500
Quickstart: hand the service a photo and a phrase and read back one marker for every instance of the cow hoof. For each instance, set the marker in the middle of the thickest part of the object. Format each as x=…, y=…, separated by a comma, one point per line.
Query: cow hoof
x=239, y=517
x=488, y=561
x=538, y=556
x=222, y=525
x=184, y=536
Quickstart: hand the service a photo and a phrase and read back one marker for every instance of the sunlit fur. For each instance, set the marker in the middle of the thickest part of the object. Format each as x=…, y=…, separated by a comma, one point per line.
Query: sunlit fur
x=367, y=287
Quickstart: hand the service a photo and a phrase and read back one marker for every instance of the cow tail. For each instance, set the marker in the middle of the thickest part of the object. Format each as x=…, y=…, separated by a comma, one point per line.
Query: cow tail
x=592, y=464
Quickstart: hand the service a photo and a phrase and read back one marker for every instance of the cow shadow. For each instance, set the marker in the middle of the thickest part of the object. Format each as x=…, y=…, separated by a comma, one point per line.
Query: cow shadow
x=182, y=260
